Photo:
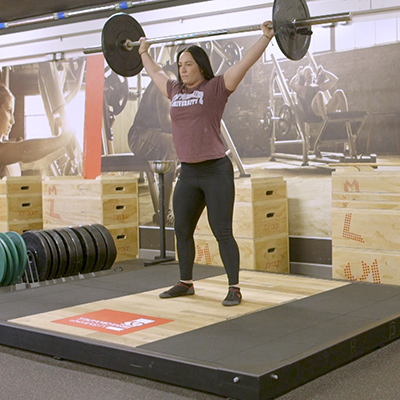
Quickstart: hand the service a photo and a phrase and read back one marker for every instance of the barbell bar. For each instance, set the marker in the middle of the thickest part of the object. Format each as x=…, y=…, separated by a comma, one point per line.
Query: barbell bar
x=291, y=23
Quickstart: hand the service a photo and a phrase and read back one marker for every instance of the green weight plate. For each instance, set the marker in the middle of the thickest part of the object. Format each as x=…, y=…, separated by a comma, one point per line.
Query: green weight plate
x=9, y=262
x=13, y=263
x=3, y=263
x=19, y=243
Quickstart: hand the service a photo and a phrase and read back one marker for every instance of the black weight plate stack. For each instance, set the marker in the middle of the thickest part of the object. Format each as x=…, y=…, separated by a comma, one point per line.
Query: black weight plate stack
x=111, y=248
x=101, y=247
x=292, y=44
x=62, y=253
x=118, y=28
x=88, y=247
x=37, y=246
x=55, y=259
x=70, y=250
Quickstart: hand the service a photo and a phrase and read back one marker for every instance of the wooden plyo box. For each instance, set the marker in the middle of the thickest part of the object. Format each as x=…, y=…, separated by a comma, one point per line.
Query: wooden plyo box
x=108, y=200
x=126, y=238
x=366, y=225
x=20, y=203
x=366, y=265
x=265, y=254
x=260, y=227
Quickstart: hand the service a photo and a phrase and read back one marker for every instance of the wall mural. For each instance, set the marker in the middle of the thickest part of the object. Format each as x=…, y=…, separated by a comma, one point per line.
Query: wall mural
x=279, y=99
x=37, y=144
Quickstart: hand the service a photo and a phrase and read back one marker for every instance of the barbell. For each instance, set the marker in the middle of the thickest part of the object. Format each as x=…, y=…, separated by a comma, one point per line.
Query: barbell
x=291, y=22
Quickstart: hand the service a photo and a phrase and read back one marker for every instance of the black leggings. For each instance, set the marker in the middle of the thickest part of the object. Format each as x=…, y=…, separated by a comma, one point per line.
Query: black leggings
x=207, y=183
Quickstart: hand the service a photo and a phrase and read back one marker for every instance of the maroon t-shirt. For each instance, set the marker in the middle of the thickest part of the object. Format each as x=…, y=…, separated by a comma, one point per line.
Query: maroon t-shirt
x=196, y=115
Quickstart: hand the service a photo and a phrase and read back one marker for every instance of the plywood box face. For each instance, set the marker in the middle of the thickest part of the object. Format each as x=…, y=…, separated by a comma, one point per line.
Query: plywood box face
x=78, y=201
x=374, y=229
x=126, y=239
x=267, y=254
x=20, y=201
x=253, y=190
x=21, y=226
x=350, y=180
x=366, y=266
x=366, y=189
x=21, y=185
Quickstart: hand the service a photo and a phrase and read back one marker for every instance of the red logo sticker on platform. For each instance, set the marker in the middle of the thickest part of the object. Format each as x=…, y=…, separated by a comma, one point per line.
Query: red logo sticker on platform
x=113, y=322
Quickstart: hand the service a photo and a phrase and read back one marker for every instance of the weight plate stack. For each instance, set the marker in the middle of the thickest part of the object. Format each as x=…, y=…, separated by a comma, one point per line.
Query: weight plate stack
x=20, y=245
x=12, y=258
x=56, y=253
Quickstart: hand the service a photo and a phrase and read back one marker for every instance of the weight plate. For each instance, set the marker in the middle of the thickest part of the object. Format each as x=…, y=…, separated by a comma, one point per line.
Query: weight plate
x=13, y=262
x=267, y=121
x=88, y=247
x=55, y=259
x=75, y=265
x=9, y=261
x=292, y=44
x=111, y=248
x=118, y=28
x=20, y=245
x=3, y=263
x=232, y=53
x=116, y=92
x=40, y=251
x=101, y=247
x=62, y=253
x=285, y=118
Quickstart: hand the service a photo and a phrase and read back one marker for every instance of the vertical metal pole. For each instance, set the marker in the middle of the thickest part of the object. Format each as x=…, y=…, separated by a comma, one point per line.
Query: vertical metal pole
x=162, y=215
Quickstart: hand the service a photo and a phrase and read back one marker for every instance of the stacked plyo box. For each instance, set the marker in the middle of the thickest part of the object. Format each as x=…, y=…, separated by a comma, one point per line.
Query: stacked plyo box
x=366, y=225
x=108, y=200
x=260, y=227
x=20, y=203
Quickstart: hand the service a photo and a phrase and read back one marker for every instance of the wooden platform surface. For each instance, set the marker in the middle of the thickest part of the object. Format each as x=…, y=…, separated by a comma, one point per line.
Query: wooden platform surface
x=260, y=291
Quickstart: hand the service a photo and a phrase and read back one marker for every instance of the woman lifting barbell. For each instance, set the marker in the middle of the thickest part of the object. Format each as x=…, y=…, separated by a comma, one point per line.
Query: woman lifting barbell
x=198, y=100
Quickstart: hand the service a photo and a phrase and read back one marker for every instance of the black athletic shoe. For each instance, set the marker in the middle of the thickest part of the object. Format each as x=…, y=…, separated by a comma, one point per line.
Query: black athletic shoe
x=233, y=298
x=180, y=289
